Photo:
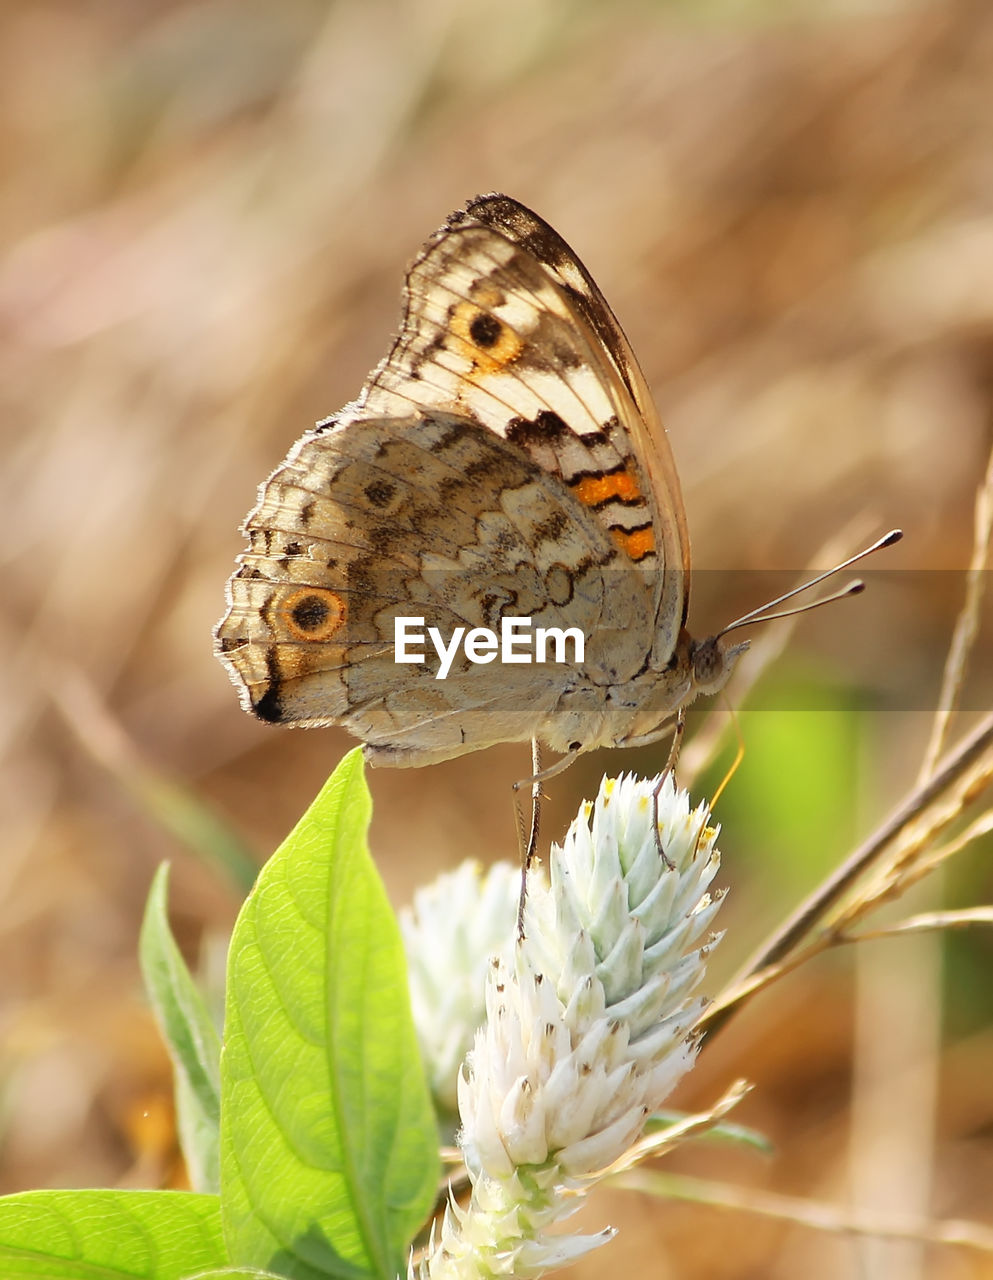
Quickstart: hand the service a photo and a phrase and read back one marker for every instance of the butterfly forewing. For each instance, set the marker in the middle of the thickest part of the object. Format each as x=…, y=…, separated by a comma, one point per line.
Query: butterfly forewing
x=509, y=338
x=634, y=401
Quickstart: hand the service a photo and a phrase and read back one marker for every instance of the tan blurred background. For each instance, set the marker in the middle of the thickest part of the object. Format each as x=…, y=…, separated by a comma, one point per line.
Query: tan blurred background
x=205, y=211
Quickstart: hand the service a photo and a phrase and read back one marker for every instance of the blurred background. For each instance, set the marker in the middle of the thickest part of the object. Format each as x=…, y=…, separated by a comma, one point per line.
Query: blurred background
x=205, y=212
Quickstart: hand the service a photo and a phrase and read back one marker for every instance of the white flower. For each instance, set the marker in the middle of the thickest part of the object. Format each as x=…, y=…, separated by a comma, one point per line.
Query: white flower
x=450, y=932
x=588, y=1028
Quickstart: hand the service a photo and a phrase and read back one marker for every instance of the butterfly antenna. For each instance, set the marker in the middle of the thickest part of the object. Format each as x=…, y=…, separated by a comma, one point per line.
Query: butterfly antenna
x=762, y=614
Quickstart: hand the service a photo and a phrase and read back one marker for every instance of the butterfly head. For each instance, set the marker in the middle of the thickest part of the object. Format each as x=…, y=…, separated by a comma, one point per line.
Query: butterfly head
x=711, y=662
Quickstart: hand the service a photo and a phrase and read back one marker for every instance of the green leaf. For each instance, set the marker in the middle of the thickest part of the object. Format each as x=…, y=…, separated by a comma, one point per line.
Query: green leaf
x=179, y=810
x=199, y=1138
x=329, y=1159
x=235, y=1273
x=109, y=1235
x=189, y=1033
x=724, y=1131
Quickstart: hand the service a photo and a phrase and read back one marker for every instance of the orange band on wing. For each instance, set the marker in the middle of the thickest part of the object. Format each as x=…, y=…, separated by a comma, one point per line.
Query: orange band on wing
x=635, y=544
x=594, y=490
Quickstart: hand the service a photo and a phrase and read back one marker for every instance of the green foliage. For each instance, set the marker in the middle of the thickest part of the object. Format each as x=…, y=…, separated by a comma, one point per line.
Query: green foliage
x=188, y=818
x=189, y=1033
x=792, y=799
x=328, y=1148
x=236, y=1273
x=968, y=953
x=724, y=1132
x=109, y=1235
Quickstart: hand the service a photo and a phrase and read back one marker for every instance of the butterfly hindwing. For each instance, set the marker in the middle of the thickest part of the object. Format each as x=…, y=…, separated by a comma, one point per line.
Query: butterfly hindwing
x=369, y=521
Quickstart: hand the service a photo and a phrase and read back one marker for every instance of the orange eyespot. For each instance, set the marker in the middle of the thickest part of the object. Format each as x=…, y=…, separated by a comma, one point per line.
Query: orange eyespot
x=483, y=338
x=312, y=613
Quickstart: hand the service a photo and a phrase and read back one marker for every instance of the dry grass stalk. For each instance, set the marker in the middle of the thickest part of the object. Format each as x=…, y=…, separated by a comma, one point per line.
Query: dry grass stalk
x=967, y=625
x=930, y=808
x=809, y=1213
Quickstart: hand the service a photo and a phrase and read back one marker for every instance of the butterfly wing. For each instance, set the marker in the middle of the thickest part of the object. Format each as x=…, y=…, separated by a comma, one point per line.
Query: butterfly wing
x=437, y=518
x=505, y=459
x=504, y=323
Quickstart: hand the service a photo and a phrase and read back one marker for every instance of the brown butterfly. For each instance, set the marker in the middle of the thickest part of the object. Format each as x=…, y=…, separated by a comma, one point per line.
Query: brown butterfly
x=504, y=465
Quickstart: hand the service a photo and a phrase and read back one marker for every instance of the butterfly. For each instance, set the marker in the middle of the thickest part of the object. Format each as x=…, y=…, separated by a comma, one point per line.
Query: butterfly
x=505, y=461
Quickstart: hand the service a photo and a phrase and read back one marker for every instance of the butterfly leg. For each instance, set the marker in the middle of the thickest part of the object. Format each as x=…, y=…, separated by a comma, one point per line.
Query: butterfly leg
x=644, y=740
x=552, y=771
x=529, y=844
